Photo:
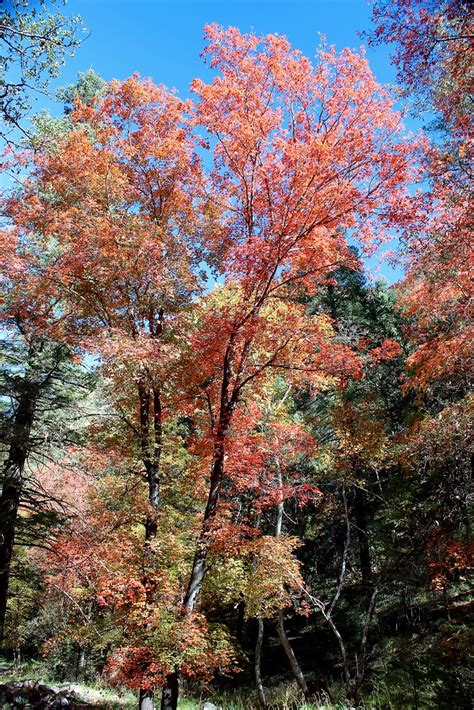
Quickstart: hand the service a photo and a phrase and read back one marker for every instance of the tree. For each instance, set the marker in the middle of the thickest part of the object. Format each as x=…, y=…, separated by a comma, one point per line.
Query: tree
x=432, y=50
x=41, y=387
x=124, y=274
x=34, y=43
x=301, y=153
x=41, y=378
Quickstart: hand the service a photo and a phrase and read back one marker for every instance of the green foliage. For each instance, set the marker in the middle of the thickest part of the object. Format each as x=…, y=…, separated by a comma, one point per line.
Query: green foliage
x=34, y=41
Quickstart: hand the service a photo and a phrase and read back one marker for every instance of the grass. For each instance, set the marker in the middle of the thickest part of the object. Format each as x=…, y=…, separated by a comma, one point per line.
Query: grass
x=283, y=696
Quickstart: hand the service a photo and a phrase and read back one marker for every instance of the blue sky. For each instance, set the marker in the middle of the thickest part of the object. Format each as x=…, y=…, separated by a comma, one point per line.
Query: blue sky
x=163, y=38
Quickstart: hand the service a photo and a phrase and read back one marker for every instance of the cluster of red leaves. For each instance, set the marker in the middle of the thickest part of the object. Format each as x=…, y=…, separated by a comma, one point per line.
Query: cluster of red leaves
x=452, y=559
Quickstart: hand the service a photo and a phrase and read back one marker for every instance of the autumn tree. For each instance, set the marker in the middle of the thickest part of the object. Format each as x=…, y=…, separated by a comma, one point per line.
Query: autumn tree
x=123, y=274
x=432, y=49
x=432, y=43
x=301, y=154
x=41, y=376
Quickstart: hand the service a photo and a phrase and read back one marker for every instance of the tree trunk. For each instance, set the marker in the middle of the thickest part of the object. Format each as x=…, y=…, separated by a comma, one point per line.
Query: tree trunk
x=240, y=621
x=12, y=480
x=151, y=445
x=295, y=666
x=145, y=700
x=198, y=569
x=363, y=539
x=153, y=479
x=9, y=504
x=258, y=666
x=170, y=694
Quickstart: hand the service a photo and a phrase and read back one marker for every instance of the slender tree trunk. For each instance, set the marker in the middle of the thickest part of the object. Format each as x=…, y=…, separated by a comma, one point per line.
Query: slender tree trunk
x=258, y=665
x=151, y=445
x=153, y=480
x=293, y=661
x=198, y=569
x=170, y=694
x=240, y=621
x=12, y=481
x=151, y=440
x=363, y=540
x=287, y=647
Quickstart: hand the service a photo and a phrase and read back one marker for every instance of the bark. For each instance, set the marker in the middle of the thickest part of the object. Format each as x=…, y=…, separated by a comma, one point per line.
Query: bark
x=151, y=442
x=151, y=445
x=240, y=621
x=170, y=694
x=365, y=636
x=258, y=666
x=12, y=481
x=198, y=569
x=145, y=700
x=363, y=540
x=287, y=647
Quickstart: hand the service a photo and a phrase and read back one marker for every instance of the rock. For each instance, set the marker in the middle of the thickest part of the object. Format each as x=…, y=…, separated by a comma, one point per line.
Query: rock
x=37, y=695
x=210, y=706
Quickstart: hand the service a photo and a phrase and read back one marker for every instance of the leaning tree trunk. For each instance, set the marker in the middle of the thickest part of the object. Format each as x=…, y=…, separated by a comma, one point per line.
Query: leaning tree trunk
x=280, y=625
x=363, y=540
x=12, y=481
x=198, y=570
x=290, y=654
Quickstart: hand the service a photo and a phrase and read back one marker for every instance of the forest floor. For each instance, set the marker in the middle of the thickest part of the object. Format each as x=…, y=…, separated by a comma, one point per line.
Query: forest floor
x=283, y=697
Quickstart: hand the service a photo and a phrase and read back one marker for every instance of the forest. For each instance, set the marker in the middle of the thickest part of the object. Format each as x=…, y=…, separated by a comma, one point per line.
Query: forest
x=235, y=462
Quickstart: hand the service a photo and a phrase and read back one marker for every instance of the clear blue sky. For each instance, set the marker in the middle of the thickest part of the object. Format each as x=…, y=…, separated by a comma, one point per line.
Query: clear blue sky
x=163, y=38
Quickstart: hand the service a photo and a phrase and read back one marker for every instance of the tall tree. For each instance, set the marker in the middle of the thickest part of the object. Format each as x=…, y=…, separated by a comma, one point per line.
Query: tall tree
x=125, y=273
x=39, y=375
x=300, y=154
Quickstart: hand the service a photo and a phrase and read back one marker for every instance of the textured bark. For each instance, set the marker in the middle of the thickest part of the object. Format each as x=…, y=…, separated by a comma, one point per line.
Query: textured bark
x=258, y=666
x=12, y=480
